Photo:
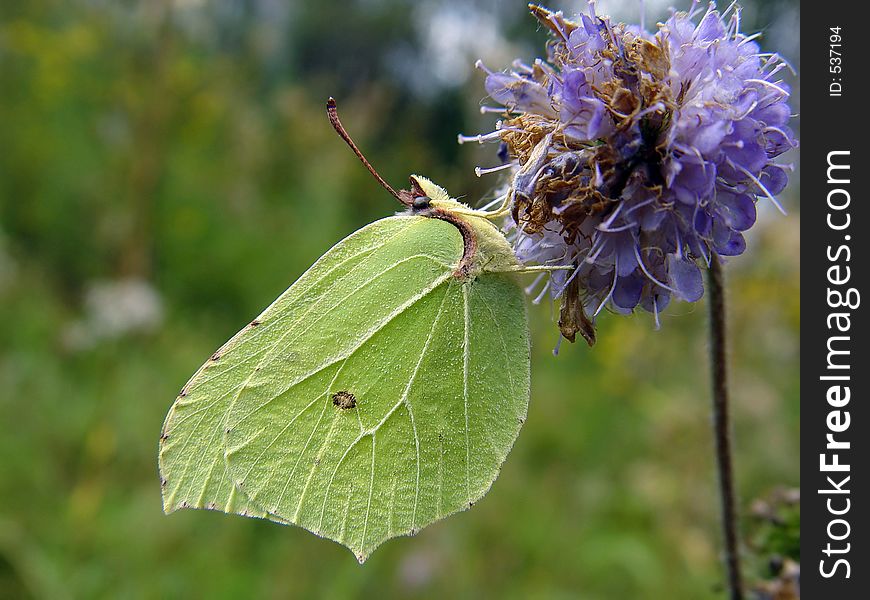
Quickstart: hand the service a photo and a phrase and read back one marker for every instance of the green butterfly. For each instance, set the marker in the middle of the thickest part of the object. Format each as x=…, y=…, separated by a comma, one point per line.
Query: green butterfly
x=380, y=393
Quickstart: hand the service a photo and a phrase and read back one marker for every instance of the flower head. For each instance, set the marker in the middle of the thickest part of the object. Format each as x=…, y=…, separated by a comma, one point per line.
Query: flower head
x=637, y=155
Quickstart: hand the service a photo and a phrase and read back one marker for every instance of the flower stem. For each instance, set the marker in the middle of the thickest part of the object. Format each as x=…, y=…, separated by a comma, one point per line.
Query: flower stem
x=721, y=426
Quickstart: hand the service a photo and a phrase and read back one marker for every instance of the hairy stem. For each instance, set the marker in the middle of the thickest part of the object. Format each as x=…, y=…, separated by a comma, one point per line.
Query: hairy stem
x=721, y=427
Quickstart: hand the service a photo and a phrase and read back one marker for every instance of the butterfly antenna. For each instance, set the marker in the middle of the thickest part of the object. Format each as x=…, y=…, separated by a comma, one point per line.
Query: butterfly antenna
x=332, y=111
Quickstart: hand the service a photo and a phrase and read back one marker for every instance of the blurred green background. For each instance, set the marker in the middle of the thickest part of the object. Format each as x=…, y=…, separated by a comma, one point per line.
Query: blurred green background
x=167, y=169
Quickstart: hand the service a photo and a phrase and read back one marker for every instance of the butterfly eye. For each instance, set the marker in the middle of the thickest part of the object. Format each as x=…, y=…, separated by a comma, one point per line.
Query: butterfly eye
x=421, y=202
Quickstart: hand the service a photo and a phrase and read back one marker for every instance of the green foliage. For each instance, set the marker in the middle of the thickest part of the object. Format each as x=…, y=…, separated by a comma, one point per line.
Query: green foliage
x=775, y=532
x=774, y=535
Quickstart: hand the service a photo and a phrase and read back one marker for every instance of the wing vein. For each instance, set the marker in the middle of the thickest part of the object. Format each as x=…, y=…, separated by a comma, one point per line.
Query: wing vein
x=319, y=450
x=359, y=343
x=272, y=324
x=402, y=400
x=265, y=327
x=500, y=337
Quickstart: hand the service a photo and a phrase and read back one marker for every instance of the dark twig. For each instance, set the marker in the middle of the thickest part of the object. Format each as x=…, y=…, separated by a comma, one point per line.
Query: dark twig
x=721, y=427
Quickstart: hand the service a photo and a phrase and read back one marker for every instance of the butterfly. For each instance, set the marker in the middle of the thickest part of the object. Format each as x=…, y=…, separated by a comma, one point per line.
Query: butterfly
x=379, y=393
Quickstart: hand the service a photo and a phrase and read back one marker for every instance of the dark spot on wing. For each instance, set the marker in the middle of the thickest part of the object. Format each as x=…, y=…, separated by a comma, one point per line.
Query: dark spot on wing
x=344, y=400
x=216, y=356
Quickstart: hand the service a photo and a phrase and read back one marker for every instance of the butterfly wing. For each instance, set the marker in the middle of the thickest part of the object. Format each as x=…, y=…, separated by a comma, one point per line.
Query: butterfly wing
x=376, y=401
x=191, y=457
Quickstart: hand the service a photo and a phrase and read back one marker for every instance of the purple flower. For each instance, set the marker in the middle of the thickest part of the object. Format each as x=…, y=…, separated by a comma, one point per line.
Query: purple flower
x=637, y=155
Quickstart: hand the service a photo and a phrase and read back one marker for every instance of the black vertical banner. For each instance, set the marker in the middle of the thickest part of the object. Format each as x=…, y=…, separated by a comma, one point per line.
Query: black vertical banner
x=835, y=436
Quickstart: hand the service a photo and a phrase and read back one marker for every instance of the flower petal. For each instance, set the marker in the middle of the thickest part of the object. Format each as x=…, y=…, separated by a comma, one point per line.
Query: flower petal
x=685, y=277
x=627, y=292
x=738, y=210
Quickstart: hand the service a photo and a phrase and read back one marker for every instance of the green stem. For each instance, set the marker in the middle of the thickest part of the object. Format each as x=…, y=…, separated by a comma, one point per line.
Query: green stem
x=722, y=429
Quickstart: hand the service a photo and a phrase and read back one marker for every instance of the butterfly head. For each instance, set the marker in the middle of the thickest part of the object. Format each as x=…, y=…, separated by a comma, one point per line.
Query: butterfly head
x=425, y=195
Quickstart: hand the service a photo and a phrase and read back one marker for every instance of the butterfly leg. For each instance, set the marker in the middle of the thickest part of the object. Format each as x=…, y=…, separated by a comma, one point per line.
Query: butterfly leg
x=538, y=269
